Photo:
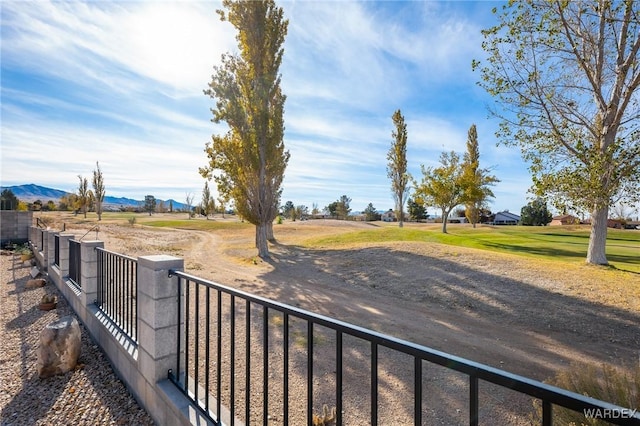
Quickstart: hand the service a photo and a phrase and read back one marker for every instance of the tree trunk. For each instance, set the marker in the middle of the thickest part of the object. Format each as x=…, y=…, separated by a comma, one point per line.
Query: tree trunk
x=261, y=241
x=270, y=236
x=445, y=216
x=596, y=253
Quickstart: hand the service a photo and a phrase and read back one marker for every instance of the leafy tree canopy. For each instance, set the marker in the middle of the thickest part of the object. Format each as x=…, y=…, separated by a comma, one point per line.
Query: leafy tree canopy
x=535, y=213
x=565, y=75
x=8, y=200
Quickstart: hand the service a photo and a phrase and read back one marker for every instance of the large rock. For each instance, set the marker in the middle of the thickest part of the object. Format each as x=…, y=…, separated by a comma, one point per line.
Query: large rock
x=38, y=282
x=59, y=347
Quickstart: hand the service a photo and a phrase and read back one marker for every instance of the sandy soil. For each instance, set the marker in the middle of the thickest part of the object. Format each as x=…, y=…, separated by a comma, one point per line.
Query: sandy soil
x=525, y=317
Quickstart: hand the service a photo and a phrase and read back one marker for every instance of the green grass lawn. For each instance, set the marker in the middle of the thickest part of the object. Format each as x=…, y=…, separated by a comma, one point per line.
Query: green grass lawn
x=553, y=243
x=199, y=225
x=175, y=220
x=556, y=243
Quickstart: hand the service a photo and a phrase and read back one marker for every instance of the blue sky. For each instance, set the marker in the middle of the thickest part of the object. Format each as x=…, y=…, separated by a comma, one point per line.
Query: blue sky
x=122, y=83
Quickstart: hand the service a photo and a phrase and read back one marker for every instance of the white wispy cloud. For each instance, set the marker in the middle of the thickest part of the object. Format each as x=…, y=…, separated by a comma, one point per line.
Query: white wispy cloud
x=121, y=83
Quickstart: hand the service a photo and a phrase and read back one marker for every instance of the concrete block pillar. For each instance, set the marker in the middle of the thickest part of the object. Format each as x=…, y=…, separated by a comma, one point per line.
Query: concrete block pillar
x=64, y=254
x=158, y=321
x=33, y=232
x=49, y=247
x=89, y=271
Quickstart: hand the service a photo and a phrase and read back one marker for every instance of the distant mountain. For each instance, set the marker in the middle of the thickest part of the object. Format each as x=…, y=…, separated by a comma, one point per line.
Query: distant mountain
x=33, y=192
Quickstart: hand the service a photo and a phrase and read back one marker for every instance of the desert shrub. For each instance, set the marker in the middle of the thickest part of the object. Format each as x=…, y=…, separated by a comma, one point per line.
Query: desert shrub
x=607, y=383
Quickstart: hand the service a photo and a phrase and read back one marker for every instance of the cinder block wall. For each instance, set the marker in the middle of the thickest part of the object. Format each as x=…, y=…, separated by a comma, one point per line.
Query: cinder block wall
x=14, y=226
x=142, y=365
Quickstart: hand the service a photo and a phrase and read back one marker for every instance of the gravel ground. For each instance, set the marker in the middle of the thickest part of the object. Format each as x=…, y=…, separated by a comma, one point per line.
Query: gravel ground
x=90, y=395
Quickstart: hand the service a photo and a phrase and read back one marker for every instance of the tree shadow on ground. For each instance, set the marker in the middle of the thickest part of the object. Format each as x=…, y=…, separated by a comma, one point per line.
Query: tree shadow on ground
x=440, y=303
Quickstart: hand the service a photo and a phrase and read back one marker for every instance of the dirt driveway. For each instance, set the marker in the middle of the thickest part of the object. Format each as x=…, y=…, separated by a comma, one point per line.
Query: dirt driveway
x=525, y=317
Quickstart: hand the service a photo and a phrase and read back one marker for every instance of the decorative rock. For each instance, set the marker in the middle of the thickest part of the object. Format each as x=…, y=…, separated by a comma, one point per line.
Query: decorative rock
x=59, y=347
x=39, y=282
x=34, y=272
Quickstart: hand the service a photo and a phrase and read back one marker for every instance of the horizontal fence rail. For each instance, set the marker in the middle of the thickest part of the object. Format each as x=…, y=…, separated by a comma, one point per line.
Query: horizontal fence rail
x=117, y=288
x=319, y=366
x=74, y=262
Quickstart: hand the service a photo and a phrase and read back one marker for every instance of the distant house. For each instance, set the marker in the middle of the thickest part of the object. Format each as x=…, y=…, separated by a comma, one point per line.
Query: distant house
x=458, y=219
x=632, y=224
x=618, y=223
x=389, y=216
x=565, y=219
x=506, y=218
x=615, y=223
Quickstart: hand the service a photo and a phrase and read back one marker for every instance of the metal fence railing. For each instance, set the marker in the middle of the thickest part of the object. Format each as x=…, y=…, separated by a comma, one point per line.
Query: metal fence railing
x=56, y=250
x=117, y=288
x=236, y=349
x=74, y=262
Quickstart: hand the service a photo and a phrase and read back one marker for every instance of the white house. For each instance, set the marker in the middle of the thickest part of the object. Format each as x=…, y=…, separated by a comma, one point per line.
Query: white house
x=506, y=218
x=388, y=216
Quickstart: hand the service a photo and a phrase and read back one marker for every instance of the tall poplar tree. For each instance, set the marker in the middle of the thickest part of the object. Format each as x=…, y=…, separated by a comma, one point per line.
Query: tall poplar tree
x=397, y=165
x=248, y=161
x=84, y=195
x=98, y=189
x=566, y=75
x=207, y=204
x=477, y=181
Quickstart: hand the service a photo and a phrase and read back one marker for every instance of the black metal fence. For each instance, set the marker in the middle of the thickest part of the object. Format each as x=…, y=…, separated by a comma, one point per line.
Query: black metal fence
x=56, y=250
x=117, y=290
x=238, y=350
x=74, y=262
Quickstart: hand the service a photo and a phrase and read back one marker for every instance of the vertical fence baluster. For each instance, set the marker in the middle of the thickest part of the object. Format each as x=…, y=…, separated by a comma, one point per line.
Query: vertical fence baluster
x=179, y=340
x=232, y=367
x=417, y=390
x=265, y=363
x=121, y=300
x=135, y=300
x=110, y=286
x=285, y=384
x=127, y=297
x=207, y=358
x=338, y=378
x=219, y=358
x=132, y=297
x=309, y=372
x=187, y=310
x=196, y=340
x=99, y=283
x=547, y=412
x=123, y=294
x=116, y=293
x=247, y=362
x=473, y=400
x=374, y=383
